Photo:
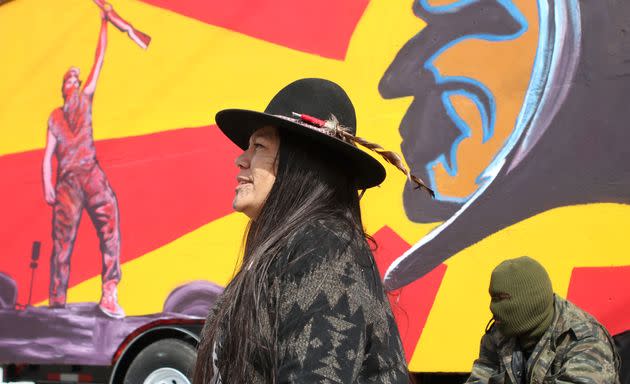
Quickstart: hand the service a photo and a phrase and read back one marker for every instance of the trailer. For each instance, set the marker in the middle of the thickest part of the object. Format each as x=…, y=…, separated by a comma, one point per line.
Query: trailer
x=79, y=343
x=117, y=231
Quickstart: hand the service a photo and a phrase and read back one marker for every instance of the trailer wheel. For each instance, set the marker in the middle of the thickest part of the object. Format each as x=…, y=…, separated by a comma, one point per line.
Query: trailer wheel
x=168, y=361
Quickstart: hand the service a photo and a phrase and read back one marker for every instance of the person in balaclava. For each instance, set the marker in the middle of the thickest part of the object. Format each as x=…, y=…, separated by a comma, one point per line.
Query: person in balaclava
x=538, y=337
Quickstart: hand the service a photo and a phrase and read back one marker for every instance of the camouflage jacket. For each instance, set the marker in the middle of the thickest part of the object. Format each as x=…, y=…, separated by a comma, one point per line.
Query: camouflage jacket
x=575, y=349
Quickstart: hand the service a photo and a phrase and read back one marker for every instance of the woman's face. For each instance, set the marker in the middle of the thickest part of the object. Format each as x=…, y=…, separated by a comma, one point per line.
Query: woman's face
x=258, y=169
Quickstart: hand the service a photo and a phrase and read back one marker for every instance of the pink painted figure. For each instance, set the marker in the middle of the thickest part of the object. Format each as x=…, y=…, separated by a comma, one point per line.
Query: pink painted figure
x=81, y=184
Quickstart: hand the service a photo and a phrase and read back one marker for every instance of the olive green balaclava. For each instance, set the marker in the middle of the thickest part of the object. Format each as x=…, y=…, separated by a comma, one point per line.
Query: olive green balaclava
x=522, y=299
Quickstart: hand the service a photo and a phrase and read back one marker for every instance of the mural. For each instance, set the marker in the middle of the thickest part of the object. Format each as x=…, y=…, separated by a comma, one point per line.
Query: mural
x=513, y=110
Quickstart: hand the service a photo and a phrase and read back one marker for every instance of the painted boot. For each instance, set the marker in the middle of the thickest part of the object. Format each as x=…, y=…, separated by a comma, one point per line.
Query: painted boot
x=109, y=301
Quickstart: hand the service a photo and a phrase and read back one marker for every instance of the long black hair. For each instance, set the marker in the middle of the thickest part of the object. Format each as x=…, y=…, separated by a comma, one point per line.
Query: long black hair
x=310, y=186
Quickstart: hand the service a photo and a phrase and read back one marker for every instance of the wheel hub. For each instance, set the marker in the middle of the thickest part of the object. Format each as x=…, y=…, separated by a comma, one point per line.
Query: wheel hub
x=166, y=376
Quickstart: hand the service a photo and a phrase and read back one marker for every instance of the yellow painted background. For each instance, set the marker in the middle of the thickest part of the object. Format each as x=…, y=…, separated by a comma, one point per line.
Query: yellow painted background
x=192, y=70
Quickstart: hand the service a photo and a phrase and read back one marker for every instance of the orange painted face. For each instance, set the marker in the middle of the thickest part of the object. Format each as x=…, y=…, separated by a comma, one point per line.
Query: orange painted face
x=510, y=116
x=258, y=168
x=468, y=71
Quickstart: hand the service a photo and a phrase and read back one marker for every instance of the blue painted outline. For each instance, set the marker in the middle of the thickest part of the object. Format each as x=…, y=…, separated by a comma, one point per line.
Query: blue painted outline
x=466, y=132
x=488, y=129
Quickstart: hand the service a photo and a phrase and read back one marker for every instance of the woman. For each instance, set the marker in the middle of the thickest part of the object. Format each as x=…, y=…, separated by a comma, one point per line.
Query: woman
x=307, y=304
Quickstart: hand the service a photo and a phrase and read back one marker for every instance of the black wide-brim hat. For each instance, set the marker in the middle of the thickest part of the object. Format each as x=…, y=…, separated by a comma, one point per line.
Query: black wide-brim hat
x=318, y=98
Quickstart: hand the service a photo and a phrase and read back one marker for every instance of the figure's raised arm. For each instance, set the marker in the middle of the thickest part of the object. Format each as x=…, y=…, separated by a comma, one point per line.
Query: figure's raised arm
x=90, y=85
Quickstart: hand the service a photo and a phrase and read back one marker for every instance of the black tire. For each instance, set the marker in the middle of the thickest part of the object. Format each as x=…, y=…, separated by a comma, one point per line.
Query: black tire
x=167, y=353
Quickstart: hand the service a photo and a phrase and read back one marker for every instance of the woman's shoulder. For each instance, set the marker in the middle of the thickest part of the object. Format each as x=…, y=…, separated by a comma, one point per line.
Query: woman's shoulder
x=324, y=261
x=317, y=242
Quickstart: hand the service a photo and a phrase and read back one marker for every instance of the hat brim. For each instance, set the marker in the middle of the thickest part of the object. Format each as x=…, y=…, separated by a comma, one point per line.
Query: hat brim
x=239, y=124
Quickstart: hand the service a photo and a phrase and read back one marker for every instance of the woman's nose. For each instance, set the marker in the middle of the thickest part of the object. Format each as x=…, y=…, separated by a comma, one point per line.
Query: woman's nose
x=242, y=161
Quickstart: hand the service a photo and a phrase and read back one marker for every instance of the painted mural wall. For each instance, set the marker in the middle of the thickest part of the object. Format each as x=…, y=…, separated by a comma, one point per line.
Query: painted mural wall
x=116, y=185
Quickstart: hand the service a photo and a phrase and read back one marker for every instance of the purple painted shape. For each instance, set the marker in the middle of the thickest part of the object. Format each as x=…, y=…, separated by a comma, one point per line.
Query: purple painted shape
x=193, y=299
x=77, y=334
x=573, y=150
x=81, y=333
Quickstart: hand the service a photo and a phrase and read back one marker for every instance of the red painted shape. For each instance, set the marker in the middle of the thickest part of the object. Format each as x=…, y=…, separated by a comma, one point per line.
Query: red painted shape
x=604, y=292
x=322, y=27
x=167, y=184
x=411, y=304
